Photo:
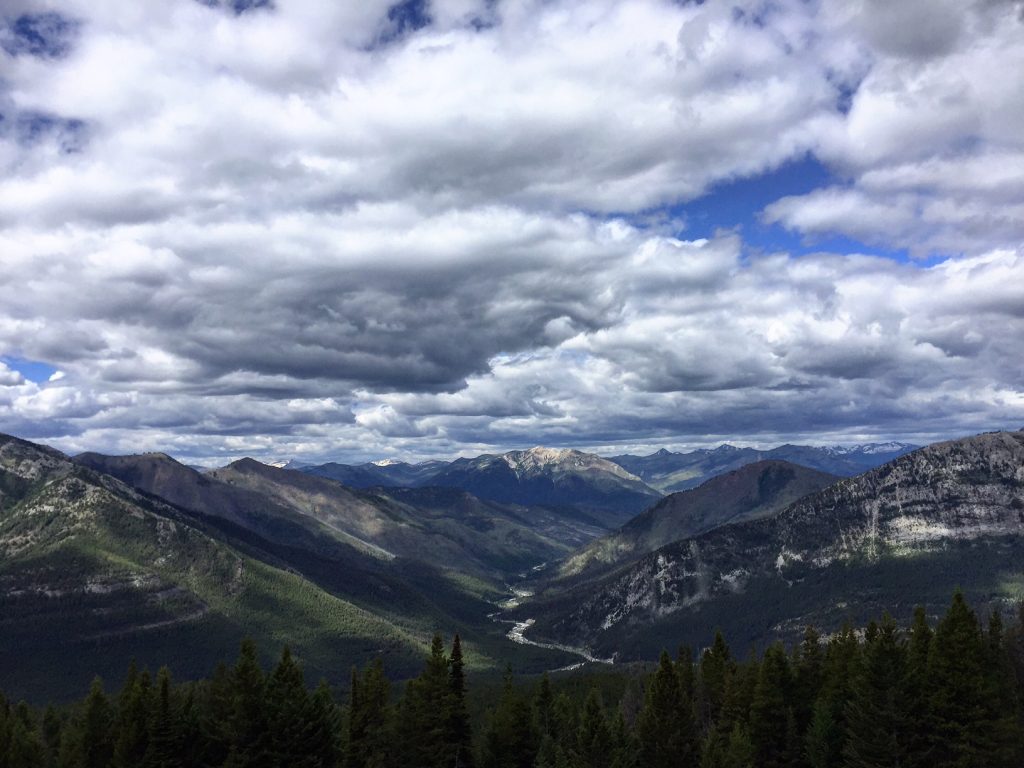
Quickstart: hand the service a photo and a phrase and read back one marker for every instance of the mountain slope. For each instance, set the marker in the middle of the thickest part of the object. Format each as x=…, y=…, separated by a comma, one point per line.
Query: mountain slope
x=668, y=471
x=464, y=532
x=594, y=487
x=755, y=490
x=92, y=571
x=948, y=515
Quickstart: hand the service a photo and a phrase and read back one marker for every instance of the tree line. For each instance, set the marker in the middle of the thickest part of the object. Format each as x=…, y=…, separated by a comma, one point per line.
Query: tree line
x=948, y=695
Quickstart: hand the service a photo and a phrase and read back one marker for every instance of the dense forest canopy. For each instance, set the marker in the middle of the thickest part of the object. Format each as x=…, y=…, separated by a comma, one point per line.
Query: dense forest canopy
x=948, y=694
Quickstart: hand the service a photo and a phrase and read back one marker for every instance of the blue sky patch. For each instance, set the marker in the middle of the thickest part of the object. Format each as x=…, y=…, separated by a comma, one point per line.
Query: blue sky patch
x=739, y=204
x=33, y=370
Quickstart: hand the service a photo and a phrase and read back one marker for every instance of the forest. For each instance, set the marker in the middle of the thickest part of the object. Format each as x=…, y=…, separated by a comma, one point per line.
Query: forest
x=944, y=692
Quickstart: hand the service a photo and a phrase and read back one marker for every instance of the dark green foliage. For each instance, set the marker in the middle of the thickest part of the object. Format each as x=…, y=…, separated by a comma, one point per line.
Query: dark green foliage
x=666, y=727
x=369, y=726
x=771, y=710
x=885, y=697
x=874, y=713
x=510, y=739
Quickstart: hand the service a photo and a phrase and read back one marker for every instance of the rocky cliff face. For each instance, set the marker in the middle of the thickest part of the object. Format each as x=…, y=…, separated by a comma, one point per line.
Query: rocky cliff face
x=946, y=502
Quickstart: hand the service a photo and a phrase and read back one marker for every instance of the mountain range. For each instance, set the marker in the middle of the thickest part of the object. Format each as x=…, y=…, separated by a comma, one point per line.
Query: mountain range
x=106, y=557
x=947, y=516
x=595, y=490
x=668, y=471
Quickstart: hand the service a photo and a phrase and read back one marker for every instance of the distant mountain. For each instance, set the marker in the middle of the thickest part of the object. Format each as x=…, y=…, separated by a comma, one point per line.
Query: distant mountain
x=461, y=531
x=316, y=513
x=595, y=487
x=911, y=531
x=668, y=471
x=753, y=491
x=379, y=474
x=598, y=491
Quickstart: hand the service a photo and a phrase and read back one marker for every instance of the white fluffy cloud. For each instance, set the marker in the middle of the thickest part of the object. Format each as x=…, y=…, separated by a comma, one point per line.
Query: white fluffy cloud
x=317, y=229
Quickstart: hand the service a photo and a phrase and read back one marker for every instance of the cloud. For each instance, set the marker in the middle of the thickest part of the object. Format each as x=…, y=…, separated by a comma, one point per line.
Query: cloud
x=358, y=229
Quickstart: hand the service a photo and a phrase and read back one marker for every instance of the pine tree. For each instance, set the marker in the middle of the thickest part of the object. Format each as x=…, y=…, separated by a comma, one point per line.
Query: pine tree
x=325, y=719
x=543, y=707
x=808, y=673
x=960, y=729
x=459, y=734
x=825, y=737
x=665, y=727
x=916, y=720
x=289, y=722
x=51, y=732
x=624, y=744
x=739, y=750
x=874, y=715
x=509, y=739
x=594, y=740
x=216, y=713
x=370, y=742
x=134, y=705
x=1003, y=701
x=164, y=748
x=248, y=729
x=425, y=713
x=87, y=743
x=714, y=666
x=770, y=711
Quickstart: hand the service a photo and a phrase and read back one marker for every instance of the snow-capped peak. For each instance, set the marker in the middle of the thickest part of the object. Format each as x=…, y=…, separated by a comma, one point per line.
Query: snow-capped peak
x=385, y=462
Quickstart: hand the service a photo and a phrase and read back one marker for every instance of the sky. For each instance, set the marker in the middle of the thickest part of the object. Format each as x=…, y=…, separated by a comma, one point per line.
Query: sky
x=444, y=227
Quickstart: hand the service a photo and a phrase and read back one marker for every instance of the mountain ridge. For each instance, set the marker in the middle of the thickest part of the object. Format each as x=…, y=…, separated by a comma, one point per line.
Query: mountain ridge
x=945, y=516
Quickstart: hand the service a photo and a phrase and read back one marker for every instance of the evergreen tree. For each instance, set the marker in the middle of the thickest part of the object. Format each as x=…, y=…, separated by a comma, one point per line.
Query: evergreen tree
x=164, y=748
x=665, y=726
x=1002, y=698
x=325, y=719
x=770, y=710
x=425, y=714
x=714, y=666
x=543, y=707
x=21, y=745
x=808, y=673
x=132, y=722
x=874, y=714
x=88, y=741
x=594, y=740
x=825, y=737
x=509, y=739
x=216, y=714
x=459, y=735
x=370, y=742
x=289, y=721
x=624, y=744
x=248, y=730
x=739, y=751
x=916, y=719
x=963, y=727
x=53, y=725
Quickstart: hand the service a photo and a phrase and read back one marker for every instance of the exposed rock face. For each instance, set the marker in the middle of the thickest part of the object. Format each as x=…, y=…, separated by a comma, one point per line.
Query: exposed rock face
x=932, y=501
